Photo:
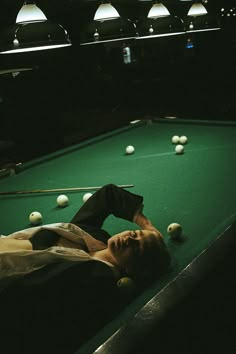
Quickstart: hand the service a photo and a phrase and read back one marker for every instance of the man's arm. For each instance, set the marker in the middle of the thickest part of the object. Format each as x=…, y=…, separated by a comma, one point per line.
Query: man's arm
x=145, y=224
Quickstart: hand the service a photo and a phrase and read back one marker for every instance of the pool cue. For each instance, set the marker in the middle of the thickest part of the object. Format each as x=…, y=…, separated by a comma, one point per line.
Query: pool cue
x=61, y=190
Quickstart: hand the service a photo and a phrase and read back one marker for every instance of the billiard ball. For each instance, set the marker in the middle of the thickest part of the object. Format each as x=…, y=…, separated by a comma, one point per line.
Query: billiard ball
x=183, y=139
x=35, y=218
x=179, y=149
x=175, y=139
x=126, y=285
x=62, y=200
x=129, y=149
x=174, y=230
x=86, y=196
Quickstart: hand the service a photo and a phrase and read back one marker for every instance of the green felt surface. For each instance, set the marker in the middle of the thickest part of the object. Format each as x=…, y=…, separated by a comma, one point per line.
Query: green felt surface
x=195, y=189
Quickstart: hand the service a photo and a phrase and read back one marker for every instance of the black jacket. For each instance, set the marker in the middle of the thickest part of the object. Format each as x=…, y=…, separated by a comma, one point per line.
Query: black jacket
x=56, y=309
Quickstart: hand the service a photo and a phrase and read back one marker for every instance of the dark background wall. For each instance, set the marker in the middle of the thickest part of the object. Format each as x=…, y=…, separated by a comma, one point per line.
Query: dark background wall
x=78, y=92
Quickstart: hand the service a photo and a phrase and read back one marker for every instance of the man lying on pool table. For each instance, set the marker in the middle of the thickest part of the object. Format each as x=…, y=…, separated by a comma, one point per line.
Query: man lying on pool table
x=64, y=276
x=140, y=254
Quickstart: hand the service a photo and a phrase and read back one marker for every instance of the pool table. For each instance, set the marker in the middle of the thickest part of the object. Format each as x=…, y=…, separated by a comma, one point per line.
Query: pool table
x=195, y=189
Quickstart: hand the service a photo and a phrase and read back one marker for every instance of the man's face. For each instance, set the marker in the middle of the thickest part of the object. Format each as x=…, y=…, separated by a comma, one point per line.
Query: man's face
x=128, y=248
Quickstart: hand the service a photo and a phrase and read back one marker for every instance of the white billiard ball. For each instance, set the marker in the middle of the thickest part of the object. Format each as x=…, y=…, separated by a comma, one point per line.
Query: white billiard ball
x=86, y=196
x=183, y=139
x=175, y=139
x=35, y=218
x=126, y=286
x=179, y=149
x=62, y=200
x=129, y=149
x=174, y=230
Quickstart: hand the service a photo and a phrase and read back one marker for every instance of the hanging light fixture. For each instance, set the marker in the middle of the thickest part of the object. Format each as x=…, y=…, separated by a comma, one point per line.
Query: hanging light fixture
x=32, y=32
x=159, y=22
x=107, y=26
x=198, y=19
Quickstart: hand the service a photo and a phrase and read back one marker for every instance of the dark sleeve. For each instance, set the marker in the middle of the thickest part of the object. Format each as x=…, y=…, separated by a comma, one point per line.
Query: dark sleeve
x=64, y=300
x=108, y=200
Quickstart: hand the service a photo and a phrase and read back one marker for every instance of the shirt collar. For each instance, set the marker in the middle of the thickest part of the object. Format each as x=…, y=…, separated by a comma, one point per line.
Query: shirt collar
x=94, y=245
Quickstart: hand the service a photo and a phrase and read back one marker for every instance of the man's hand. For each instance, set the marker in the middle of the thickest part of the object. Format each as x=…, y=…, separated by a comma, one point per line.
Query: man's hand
x=146, y=224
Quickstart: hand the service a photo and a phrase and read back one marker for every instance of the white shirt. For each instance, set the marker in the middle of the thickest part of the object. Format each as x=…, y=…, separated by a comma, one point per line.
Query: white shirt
x=21, y=262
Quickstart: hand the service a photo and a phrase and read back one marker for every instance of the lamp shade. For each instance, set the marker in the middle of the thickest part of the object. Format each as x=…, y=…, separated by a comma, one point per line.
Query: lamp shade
x=197, y=9
x=30, y=12
x=158, y=10
x=106, y=12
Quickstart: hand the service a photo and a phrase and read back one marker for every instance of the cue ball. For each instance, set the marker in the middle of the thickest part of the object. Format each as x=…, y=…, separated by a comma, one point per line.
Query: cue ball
x=179, y=149
x=175, y=139
x=62, y=200
x=174, y=230
x=35, y=218
x=86, y=196
x=129, y=149
x=183, y=139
